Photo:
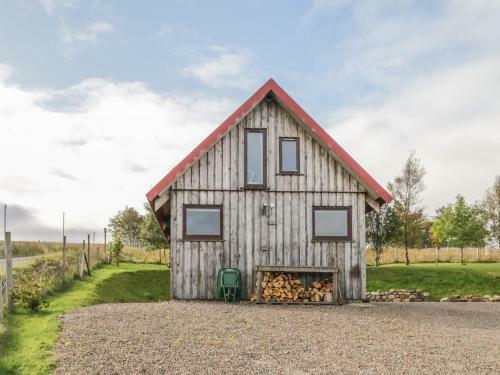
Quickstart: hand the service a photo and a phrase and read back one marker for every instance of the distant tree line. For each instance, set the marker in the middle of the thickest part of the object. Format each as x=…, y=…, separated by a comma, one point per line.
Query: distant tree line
x=403, y=223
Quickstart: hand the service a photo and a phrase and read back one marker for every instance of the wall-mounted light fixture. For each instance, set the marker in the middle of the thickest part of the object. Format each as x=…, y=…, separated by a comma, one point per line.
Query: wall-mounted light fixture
x=267, y=210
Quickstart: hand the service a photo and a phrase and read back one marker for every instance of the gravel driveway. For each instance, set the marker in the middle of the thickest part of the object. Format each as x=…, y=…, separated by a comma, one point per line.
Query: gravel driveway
x=200, y=337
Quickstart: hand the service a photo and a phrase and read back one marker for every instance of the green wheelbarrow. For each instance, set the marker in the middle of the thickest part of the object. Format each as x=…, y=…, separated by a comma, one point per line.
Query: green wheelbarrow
x=228, y=284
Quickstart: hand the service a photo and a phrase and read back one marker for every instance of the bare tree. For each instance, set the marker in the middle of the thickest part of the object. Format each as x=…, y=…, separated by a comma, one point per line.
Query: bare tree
x=406, y=190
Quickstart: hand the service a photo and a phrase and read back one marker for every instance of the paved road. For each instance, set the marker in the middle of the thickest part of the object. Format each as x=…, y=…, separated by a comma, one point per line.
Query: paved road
x=15, y=261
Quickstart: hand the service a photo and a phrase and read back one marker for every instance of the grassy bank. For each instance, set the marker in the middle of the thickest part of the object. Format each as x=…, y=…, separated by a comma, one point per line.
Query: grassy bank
x=28, y=339
x=441, y=281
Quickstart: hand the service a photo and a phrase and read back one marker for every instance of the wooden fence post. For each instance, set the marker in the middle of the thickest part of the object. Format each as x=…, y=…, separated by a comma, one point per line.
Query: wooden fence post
x=8, y=271
x=105, y=248
x=1, y=298
x=88, y=248
x=63, y=269
x=81, y=260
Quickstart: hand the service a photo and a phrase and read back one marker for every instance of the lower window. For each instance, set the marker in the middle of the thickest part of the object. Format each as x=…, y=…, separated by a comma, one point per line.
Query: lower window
x=331, y=223
x=202, y=222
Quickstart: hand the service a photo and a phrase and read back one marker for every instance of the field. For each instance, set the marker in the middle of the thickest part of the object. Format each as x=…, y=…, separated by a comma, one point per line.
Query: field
x=27, y=343
x=446, y=255
x=441, y=281
x=39, y=248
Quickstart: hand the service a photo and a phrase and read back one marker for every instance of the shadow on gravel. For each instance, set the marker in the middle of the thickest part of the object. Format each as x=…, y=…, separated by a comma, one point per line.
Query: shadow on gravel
x=137, y=286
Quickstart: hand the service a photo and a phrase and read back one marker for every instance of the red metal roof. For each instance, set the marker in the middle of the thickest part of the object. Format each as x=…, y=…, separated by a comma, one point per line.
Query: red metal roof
x=299, y=113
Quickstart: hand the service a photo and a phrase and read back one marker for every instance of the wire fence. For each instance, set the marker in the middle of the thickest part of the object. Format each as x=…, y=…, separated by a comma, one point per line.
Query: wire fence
x=56, y=266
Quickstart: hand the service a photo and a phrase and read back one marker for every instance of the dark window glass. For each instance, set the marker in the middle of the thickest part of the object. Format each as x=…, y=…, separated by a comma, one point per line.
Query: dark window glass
x=332, y=223
x=255, y=158
x=289, y=155
x=202, y=222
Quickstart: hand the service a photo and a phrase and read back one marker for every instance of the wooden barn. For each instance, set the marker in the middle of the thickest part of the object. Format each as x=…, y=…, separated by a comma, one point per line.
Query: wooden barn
x=267, y=188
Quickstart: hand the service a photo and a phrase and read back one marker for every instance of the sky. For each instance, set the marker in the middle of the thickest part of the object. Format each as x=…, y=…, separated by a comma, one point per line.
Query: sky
x=99, y=99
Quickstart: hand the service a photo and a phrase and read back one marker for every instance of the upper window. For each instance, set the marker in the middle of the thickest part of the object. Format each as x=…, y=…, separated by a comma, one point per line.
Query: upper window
x=289, y=155
x=255, y=158
x=202, y=222
x=332, y=224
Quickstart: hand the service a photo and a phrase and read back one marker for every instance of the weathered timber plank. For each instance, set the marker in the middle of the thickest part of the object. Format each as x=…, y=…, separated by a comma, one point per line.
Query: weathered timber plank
x=295, y=269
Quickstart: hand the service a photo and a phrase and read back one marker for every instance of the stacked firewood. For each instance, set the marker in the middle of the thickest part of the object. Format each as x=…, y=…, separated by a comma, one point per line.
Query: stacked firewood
x=280, y=287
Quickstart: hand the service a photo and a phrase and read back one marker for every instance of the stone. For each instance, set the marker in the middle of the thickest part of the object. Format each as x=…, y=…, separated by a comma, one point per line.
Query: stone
x=494, y=298
x=412, y=298
x=445, y=299
x=426, y=294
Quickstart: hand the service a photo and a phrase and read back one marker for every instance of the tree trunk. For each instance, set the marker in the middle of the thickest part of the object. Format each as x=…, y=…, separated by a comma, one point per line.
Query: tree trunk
x=377, y=257
x=461, y=255
x=437, y=255
x=407, y=260
x=159, y=252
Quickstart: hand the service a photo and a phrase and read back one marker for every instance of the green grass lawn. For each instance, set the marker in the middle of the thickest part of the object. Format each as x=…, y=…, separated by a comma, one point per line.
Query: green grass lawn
x=444, y=280
x=27, y=340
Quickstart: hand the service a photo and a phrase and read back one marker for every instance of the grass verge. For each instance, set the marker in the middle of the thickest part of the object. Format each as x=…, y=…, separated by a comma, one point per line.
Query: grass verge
x=27, y=339
x=441, y=281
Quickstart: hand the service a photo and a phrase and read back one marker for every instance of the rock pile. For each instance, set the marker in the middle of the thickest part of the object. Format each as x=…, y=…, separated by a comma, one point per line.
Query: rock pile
x=402, y=295
x=470, y=298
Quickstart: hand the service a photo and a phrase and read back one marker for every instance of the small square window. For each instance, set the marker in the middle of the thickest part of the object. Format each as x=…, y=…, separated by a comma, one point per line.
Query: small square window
x=332, y=223
x=202, y=222
x=289, y=155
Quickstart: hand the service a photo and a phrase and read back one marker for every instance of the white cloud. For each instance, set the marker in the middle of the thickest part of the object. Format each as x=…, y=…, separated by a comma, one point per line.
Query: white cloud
x=413, y=77
x=100, y=153
x=5, y=72
x=76, y=40
x=50, y=6
x=225, y=67
x=371, y=48
x=451, y=117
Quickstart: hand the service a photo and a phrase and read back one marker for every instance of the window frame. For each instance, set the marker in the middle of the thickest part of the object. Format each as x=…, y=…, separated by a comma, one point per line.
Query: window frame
x=202, y=237
x=332, y=238
x=297, y=156
x=264, y=158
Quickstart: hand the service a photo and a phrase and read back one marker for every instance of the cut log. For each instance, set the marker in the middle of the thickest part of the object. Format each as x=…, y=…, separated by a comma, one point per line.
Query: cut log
x=280, y=287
